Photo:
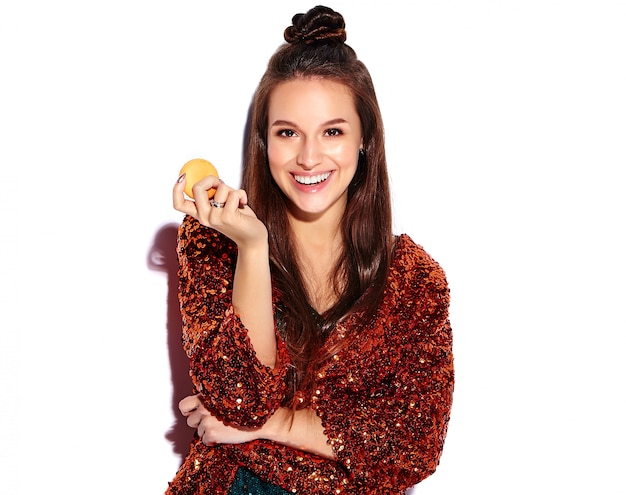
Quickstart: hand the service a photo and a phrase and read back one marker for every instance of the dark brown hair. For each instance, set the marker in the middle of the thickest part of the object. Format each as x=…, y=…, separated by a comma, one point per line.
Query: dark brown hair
x=316, y=48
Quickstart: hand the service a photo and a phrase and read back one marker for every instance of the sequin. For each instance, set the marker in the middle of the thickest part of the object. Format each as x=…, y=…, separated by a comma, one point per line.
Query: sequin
x=384, y=400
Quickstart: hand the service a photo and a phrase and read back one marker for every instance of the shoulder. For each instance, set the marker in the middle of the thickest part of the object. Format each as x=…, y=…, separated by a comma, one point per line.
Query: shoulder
x=412, y=260
x=415, y=279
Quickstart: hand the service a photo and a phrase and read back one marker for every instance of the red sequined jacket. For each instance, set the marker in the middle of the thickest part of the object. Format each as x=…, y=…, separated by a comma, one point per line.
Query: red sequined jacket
x=384, y=400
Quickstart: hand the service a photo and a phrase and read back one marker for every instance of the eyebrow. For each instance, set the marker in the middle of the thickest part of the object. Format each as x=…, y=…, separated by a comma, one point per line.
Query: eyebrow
x=288, y=123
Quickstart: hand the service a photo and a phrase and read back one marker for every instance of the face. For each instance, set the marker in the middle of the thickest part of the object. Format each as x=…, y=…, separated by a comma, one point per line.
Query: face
x=313, y=142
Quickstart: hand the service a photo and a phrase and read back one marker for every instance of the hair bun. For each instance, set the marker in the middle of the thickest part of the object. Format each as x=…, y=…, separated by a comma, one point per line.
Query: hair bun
x=318, y=25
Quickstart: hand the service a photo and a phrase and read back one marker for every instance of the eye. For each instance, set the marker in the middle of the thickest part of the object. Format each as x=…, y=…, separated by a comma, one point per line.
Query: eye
x=333, y=132
x=286, y=133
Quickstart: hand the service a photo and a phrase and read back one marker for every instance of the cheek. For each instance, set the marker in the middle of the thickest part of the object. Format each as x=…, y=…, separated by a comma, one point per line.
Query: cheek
x=343, y=149
x=273, y=150
x=274, y=159
x=346, y=153
x=279, y=154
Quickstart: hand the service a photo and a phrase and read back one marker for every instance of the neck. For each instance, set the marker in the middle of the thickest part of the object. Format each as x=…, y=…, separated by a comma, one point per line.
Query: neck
x=318, y=244
x=316, y=228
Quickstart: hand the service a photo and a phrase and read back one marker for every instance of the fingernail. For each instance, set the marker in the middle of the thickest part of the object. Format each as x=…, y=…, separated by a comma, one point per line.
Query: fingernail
x=180, y=179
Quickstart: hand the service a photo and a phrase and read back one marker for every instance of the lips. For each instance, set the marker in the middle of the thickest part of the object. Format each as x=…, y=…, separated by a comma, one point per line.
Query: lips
x=311, y=180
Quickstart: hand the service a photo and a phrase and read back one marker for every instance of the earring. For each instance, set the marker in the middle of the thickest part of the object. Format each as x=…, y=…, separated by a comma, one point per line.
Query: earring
x=361, y=152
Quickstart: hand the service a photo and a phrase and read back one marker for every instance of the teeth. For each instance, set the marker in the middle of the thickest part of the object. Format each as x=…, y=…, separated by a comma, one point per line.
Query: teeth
x=311, y=180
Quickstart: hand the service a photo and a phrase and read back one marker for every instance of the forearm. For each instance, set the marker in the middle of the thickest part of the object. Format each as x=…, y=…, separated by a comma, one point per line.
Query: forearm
x=301, y=429
x=252, y=301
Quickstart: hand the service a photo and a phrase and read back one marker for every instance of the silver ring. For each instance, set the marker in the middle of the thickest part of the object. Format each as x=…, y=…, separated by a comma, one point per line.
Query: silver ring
x=216, y=204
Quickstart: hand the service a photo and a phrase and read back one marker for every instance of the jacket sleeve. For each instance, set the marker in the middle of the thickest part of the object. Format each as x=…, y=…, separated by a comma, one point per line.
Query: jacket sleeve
x=389, y=422
x=233, y=384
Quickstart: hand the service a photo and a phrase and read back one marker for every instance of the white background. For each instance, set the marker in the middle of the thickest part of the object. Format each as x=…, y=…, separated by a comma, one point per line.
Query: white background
x=506, y=127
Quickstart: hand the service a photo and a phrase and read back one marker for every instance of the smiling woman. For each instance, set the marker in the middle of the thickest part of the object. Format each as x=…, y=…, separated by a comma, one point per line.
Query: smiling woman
x=319, y=342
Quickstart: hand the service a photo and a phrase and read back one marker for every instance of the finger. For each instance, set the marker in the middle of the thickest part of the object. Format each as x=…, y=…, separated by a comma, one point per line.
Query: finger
x=205, y=435
x=206, y=440
x=232, y=200
x=203, y=186
x=194, y=420
x=189, y=404
x=204, y=431
x=222, y=191
x=207, y=213
x=180, y=202
x=236, y=199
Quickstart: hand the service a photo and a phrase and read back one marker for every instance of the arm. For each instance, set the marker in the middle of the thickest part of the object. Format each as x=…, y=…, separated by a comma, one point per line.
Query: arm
x=301, y=429
x=226, y=305
x=252, y=288
x=252, y=300
x=235, y=385
x=394, y=438
x=388, y=420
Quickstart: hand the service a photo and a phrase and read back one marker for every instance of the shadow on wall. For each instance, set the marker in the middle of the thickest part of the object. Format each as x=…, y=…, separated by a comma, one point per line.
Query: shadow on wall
x=162, y=257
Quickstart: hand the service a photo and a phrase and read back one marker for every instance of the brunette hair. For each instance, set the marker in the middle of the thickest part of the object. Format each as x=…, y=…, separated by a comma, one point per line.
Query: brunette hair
x=316, y=48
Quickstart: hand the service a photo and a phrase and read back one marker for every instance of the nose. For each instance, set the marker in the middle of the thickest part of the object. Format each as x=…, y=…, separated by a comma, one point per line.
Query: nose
x=309, y=154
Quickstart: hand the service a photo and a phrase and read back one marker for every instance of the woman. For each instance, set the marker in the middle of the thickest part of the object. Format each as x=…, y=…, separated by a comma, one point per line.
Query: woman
x=319, y=342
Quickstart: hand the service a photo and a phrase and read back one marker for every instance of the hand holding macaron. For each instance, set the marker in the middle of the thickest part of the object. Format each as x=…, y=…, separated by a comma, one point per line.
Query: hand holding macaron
x=223, y=208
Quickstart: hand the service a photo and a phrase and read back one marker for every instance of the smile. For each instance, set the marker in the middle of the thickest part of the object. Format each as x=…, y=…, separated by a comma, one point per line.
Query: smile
x=311, y=180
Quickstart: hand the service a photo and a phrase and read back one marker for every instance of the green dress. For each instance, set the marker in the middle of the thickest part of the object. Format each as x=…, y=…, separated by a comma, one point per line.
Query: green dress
x=246, y=483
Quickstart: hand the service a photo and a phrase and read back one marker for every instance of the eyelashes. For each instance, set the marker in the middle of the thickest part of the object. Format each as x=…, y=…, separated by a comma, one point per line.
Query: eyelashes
x=285, y=132
x=331, y=132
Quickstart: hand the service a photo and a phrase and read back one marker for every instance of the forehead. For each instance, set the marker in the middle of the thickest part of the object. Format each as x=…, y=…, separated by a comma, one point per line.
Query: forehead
x=311, y=97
